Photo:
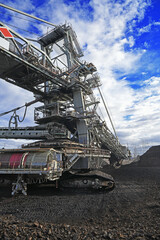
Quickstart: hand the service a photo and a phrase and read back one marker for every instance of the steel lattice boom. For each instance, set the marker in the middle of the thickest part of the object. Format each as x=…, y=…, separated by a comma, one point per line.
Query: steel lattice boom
x=67, y=120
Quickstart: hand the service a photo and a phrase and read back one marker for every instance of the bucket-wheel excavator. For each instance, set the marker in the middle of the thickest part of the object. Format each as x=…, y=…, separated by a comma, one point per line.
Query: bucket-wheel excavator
x=71, y=141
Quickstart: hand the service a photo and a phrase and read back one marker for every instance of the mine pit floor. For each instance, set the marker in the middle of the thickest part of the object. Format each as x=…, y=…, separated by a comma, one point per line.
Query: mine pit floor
x=131, y=211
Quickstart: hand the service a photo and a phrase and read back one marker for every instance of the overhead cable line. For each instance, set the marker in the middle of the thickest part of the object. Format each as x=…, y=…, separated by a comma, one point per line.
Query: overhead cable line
x=26, y=14
x=25, y=105
x=104, y=103
x=21, y=29
x=109, y=110
x=10, y=14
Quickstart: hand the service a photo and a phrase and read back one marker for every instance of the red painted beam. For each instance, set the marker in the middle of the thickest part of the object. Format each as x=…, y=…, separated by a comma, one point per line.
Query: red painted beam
x=6, y=33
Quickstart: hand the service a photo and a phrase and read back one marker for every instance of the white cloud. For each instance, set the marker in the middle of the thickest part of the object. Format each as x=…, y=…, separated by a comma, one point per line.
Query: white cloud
x=148, y=27
x=143, y=126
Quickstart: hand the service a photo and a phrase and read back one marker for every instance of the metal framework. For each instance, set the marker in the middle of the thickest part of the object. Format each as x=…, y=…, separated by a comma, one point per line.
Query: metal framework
x=67, y=120
x=65, y=86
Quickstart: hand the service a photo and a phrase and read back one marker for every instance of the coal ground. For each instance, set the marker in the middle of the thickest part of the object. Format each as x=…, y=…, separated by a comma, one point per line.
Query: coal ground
x=130, y=211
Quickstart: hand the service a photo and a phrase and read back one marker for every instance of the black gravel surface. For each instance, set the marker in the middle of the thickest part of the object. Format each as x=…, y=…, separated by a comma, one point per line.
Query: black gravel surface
x=131, y=211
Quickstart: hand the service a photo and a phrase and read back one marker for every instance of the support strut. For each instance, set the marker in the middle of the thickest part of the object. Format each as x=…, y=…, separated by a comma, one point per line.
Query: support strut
x=19, y=186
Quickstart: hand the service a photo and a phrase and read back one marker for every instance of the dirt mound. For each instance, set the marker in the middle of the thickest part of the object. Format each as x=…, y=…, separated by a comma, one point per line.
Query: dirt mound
x=151, y=158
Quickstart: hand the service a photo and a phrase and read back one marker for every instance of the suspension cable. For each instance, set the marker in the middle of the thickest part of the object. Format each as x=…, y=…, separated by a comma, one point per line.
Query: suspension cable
x=21, y=29
x=107, y=111
x=25, y=105
x=23, y=115
x=26, y=14
x=10, y=14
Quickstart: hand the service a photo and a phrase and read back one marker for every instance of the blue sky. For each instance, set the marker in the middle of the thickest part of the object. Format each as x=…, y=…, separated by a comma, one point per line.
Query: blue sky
x=121, y=37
